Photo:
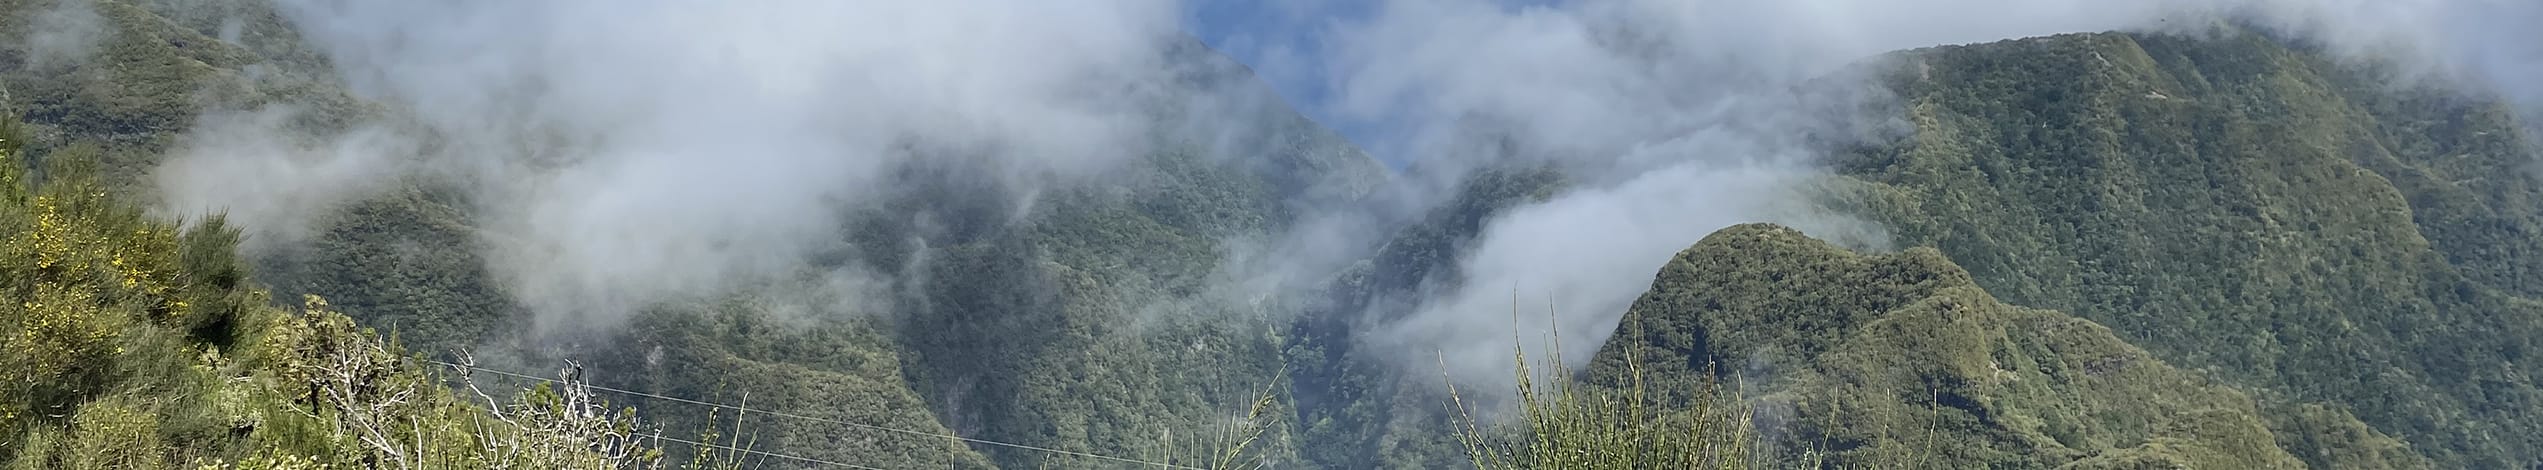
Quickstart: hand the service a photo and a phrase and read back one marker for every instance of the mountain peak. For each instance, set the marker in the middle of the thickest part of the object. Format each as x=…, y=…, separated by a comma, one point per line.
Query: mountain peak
x=1902, y=357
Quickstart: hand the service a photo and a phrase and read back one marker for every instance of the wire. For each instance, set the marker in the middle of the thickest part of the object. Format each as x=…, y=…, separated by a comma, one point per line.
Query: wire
x=833, y=421
x=766, y=453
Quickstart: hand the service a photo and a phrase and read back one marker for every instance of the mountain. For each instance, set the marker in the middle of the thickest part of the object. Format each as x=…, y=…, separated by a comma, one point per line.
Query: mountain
x=139, y=342
x=2246, y=208
x=1356, y=408
x=1013, y=316
x=1086, y=323
x=2124, y=251
x=1902, y=359
x=2335, y=263
x=130, y=77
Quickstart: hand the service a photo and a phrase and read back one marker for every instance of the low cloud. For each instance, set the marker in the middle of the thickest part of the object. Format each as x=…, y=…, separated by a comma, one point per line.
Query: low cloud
x=65, y=33
x=624, y=152
x=273, y=180
x=1682, y=117
x=627, y=152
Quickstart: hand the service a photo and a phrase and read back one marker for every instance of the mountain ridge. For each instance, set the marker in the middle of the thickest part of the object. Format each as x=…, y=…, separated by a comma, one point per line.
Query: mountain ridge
x=2243, y=208
x=2311, y=267
x=1882, y=359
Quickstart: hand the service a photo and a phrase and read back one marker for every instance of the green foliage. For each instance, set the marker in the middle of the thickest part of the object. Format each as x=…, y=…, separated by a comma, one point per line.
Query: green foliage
x=132, y=342
x=107, y=435
x=151, y=68
x=1578, y=425
x=2348, y=252
x=407, y=263
x=89, y=280
x=1090, y=267
x=2262, y=214
x=825, y=371
x=1353, y=409
x=1901, y=360
x=1090, y=325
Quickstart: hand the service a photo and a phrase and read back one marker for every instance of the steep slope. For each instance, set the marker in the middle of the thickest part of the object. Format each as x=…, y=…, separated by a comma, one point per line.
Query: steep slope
x=131, y=76
x=2243, y=208
x=738, y=351
x=1082, y=319
x=1356, y=409
x=1902, y=360
x=130, y=79
x=2249, y=211
x=406, y=261
x=1013, y=312
x=134, y=342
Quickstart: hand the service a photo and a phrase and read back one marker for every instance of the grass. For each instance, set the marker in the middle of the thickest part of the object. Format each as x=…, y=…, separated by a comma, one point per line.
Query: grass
x=1565, y=423
x=1236, y=445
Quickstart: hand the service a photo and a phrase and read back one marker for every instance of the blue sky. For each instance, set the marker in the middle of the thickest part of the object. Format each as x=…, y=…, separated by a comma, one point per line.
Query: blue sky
x=1250, y=30
x=1279, y=39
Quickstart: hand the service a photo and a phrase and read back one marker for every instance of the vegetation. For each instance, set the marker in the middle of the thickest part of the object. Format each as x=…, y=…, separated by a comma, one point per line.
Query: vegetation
x=1901, y=360
x=2270, y=259
x=1091, y=326
x=133, y=342
x=1355, y=409
x=737, y=353
x=1585, y=426
x=2247, y=209
x=151, y=67
x=405, y=263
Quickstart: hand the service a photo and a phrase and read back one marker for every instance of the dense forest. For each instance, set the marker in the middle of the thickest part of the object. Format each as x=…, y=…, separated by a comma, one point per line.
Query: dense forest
x=2105, y=250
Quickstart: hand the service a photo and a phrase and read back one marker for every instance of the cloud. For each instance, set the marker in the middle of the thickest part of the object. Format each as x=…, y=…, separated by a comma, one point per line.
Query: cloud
x=1590, y=79
x=1574, y=263
x=272, y=180
x=627, y=152
x=2483, y=46
x=1682, y=117
x=65, y=33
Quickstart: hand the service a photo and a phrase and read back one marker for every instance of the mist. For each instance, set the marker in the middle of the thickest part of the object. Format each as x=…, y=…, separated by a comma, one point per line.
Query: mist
x=629, y=152
x=1682, y=117
x=65, y=33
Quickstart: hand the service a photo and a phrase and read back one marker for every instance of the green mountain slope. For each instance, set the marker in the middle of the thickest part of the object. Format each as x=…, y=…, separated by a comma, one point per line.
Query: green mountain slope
x=131, y=342
x=1085, y=321
x=1903, y=360
x=2295, y=261
x=131, y=76
x=130, y=79
x=1106, y=285
x=739, y=352
x=1356, y=409
x=2245, y=209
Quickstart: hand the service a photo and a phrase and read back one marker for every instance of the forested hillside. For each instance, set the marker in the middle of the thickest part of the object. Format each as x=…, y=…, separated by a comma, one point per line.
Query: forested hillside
x=131, y=77
x=137, y=342
x=2339, y=261
x=1355, y=407
x=2244, y=208
x=2115, y=251
x=1903, y=359
x=1011, y=318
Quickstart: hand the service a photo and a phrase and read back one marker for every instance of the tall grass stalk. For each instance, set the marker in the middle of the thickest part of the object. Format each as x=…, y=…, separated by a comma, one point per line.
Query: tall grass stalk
x=1234, y=445
x=1565, y=423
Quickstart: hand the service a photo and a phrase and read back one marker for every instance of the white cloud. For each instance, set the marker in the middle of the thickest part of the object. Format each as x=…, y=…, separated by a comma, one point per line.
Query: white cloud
x=625, y=152
x=1682, y=118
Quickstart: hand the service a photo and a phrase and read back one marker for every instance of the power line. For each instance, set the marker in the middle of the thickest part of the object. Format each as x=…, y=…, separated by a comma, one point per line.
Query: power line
x=766, y=453
x=832, y=421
